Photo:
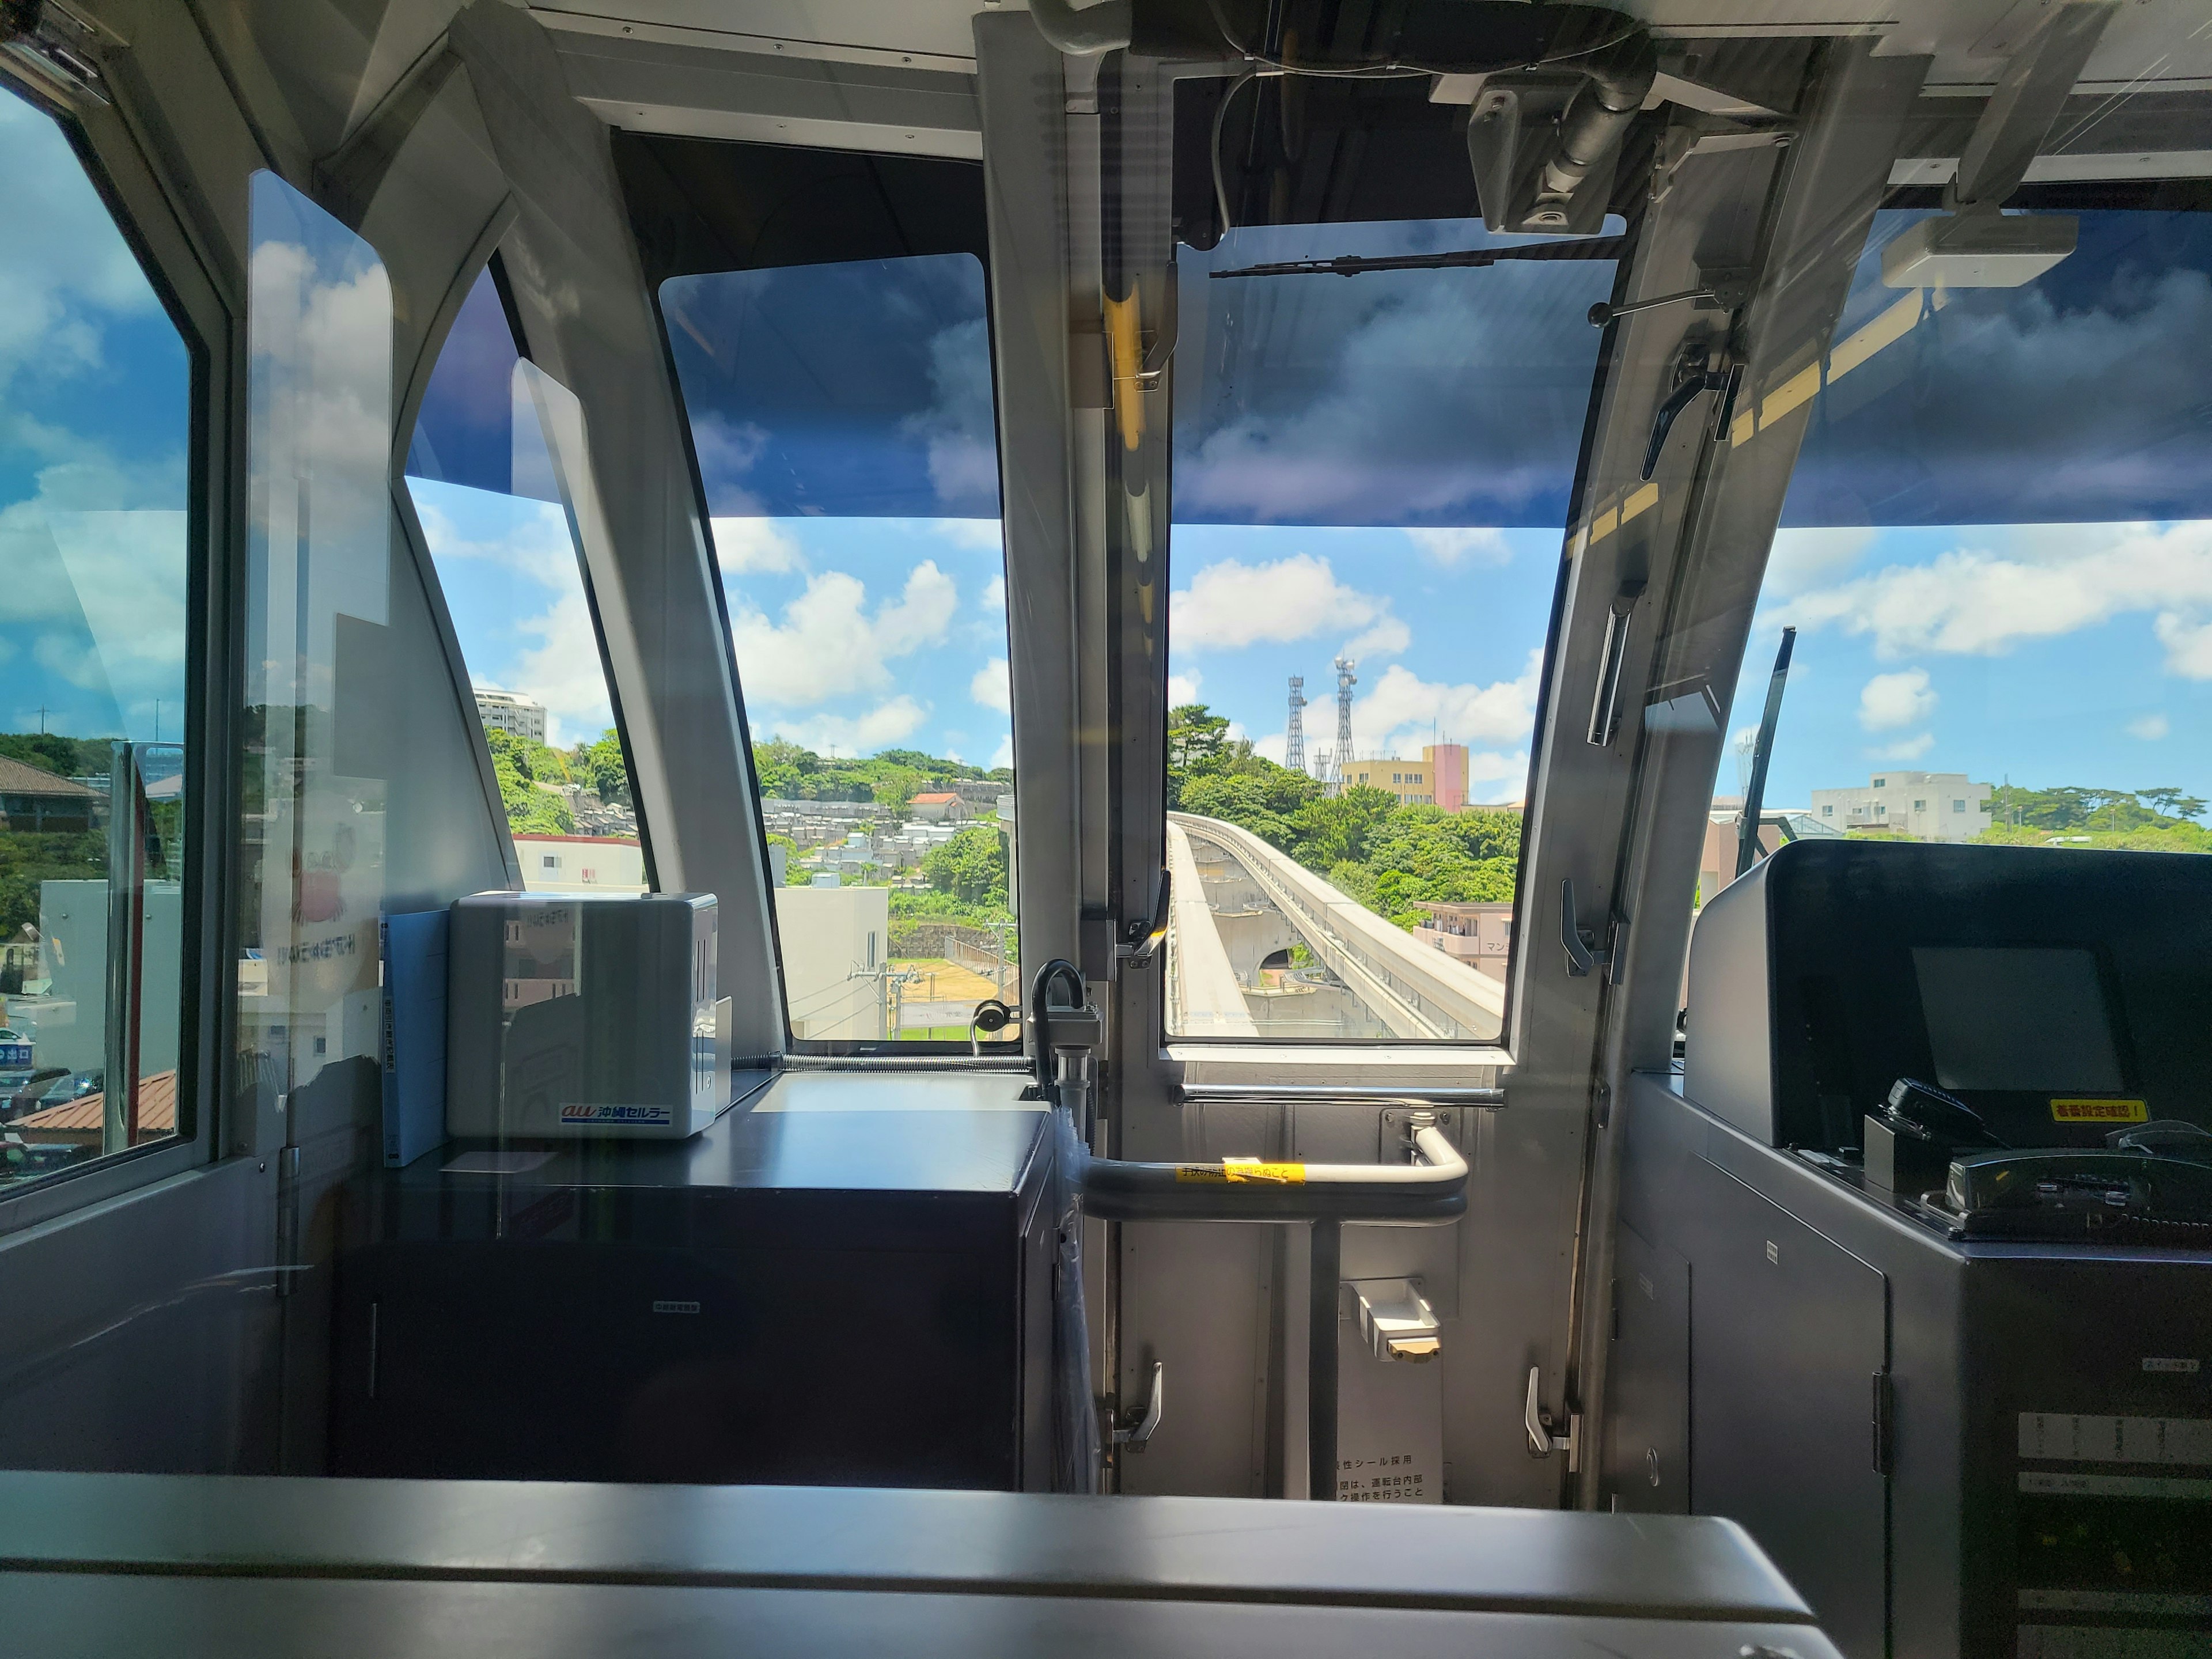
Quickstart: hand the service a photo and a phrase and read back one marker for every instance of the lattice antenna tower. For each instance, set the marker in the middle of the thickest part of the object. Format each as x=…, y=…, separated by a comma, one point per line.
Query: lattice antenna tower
x=1346, y=679
x=1294, y=740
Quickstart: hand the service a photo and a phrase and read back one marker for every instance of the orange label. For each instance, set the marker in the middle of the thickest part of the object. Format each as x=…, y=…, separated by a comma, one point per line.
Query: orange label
x=2100, y=1111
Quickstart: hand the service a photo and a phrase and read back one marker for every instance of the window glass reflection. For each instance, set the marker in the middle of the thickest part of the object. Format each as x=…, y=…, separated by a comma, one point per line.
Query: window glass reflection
x=317, y=752
x=96, y=389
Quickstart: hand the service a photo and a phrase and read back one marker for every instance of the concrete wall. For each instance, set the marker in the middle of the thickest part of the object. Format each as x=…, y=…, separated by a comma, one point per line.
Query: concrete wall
x=833, y=980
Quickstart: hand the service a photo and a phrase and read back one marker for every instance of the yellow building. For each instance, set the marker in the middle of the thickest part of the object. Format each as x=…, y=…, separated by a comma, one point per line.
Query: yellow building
x=1437, y=779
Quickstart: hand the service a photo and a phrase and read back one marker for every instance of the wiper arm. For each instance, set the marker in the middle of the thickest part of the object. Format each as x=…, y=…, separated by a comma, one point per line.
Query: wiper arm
x=1353, y=265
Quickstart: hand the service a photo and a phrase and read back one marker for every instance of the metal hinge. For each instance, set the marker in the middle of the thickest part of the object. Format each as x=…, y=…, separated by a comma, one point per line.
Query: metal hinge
x=1543, y=1440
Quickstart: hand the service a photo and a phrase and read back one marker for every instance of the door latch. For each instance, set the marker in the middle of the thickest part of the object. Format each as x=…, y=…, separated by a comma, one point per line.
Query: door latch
x=1139, y=1430
x=1542, y=1441
x=1582, y=956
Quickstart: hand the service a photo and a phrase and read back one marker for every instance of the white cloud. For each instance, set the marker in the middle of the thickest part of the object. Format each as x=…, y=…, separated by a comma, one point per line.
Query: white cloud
x=885, y=725
x=1911, y=749
x=1452, y=547
x=992, y=688
x=563, y=672
x=993, y=603
x=976, y=535
x=1272, y=747
x=2050, y=581
x=1231, y=604
x=1889, y=700
x=1184, y=687
x=1387, y=638
x=1403, y=710
x=529, y=538
x=829, y=646
x=2150, y=727
x=1003, y=754
x=1799, y=558
x=748, y=546
x=963, y=450
x=64, y=256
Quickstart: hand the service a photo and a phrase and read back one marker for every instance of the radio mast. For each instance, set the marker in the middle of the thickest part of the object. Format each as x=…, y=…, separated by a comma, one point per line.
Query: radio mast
x=1294, y=740
x=1346, y=679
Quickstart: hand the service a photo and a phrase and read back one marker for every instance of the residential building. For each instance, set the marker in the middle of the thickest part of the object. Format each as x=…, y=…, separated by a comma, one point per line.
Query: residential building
x=1946, y=806
x=939, y=807
x=837, y=951
x=34, y=799
x=1479, y=934
x=1437, y=779
x=512, y=712
x=582, y=864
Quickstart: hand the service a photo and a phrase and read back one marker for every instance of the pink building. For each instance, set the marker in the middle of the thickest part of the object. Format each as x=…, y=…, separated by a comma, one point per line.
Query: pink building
x=1447, y=774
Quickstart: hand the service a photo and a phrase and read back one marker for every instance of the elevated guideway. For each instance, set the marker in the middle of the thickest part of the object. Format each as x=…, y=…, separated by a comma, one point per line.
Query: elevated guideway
x=1238, y=901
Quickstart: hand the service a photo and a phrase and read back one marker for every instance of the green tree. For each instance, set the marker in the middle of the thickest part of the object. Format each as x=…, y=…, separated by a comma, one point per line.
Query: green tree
x=971, y=866
x=601, y=766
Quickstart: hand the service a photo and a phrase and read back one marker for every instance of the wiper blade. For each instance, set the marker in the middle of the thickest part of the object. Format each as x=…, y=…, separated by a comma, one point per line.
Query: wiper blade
x=1353, y=265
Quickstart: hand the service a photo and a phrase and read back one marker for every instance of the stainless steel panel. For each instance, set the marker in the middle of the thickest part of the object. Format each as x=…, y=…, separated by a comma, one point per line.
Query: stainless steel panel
x=1159, y=1548
x=1647, y=1441
x=1787, y=1332
x=51, y=1613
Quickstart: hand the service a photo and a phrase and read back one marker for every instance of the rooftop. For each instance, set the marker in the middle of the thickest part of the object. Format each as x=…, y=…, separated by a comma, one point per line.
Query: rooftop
x=74, y=1119
x=21, y=778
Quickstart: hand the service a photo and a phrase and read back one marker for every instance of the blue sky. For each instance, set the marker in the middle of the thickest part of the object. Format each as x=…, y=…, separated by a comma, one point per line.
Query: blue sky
x=95, y=421
x=1380, y=467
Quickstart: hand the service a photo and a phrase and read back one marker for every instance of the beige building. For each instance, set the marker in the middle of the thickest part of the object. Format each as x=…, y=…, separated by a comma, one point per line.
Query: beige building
x=1437, y=779
x=837, y=941
x=1925, y=806
x=1480, y=935
x=509, y=712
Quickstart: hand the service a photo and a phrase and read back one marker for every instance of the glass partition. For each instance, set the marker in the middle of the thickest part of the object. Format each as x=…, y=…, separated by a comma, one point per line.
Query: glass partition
x=319, y=332
x=503, y=525
x=843, y=421
x=95, y=417
x=1371, y=484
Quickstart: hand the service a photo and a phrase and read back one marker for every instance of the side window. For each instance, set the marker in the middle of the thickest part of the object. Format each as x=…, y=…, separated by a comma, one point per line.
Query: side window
x=95, y=411
x=1371, y=484
x=843, y=420
x=1997, y=553
x=495, y=469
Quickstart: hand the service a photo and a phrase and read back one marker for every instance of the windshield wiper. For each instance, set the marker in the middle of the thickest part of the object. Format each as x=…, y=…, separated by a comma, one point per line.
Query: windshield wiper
x=1353, y=265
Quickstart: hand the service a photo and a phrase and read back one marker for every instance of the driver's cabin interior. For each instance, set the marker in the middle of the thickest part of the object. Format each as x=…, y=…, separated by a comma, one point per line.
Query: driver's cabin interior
x=832, y=828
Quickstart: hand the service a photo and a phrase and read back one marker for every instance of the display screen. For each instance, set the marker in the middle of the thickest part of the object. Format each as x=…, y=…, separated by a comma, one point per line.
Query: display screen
x=2016, y=1017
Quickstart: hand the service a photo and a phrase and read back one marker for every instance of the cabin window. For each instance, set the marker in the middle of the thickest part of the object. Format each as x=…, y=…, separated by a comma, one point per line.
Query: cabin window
x=1371, y=479
x=842, y=415
x=96, y=388
x=1996, y=548
x=499, y=475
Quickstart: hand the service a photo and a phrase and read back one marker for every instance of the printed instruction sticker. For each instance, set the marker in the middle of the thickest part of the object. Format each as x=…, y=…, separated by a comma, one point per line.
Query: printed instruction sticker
x=2100, y=1111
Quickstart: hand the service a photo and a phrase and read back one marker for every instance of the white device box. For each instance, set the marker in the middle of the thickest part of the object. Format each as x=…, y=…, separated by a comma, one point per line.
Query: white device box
x=582, y=1014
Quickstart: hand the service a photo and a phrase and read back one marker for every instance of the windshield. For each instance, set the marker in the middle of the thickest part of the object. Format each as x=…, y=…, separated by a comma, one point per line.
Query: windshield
x=1372, y=475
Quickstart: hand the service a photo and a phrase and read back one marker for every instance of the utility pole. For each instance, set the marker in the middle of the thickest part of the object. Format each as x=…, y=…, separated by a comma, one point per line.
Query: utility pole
x=1294, y=740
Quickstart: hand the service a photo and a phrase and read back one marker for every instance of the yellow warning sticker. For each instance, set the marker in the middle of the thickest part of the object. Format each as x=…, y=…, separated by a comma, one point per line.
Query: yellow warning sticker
x=1236, y=1170
x=2100, y=1111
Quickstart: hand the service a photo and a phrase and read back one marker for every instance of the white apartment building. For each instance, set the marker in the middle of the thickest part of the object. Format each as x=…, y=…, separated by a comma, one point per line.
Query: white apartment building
x=1925, y=806
x=582, y=864
x=512, y=712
